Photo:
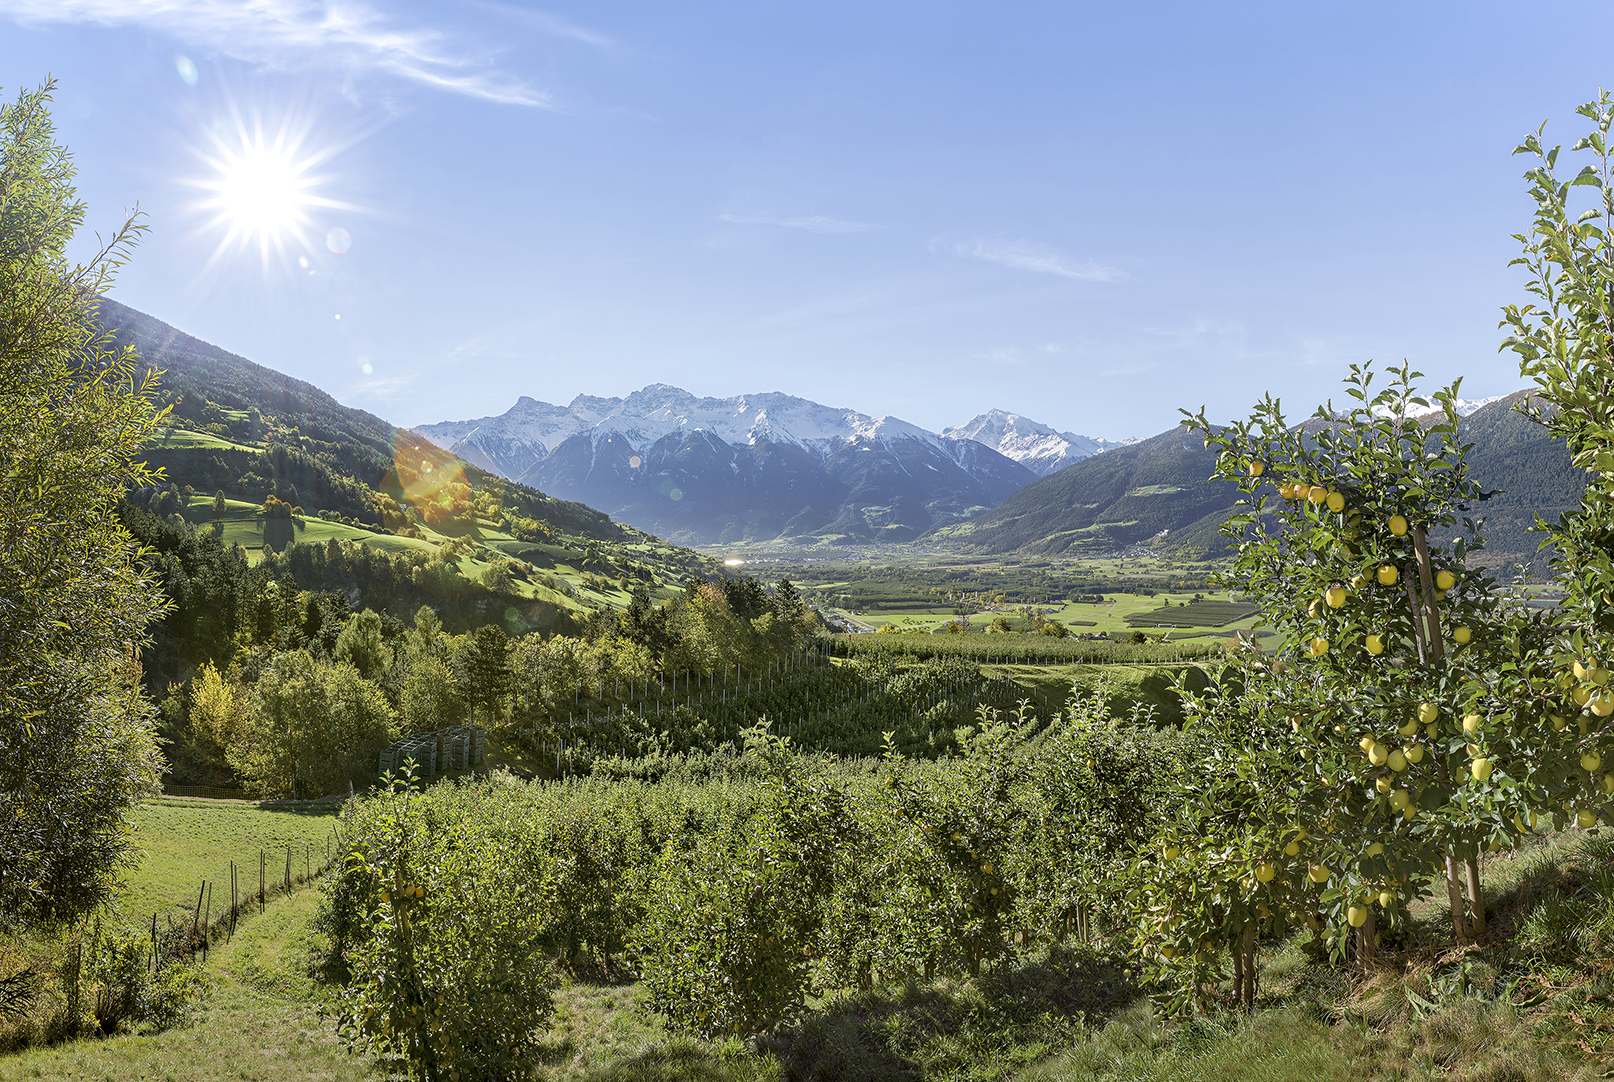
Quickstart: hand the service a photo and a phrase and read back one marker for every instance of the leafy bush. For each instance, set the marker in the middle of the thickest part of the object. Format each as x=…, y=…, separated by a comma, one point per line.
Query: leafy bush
x=442, y=949
x=114, y=984
x=726, y=944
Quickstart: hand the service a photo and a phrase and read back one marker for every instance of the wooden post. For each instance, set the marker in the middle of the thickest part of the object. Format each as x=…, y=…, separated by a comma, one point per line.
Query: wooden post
x=1476, y=902
x=261, y=868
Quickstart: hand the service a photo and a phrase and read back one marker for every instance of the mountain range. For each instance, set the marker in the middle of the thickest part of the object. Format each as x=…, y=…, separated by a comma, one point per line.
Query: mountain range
x=1156, y=491
x=760, y=466
x=530, y=486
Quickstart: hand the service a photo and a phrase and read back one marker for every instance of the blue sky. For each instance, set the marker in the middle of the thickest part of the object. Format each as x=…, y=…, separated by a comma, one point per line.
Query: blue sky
x=1087, y=213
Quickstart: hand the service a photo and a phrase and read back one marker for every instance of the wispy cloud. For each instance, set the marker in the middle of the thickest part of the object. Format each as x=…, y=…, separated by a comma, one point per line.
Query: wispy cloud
x=550, y=25
x=382, y=388
x=347, y=34
x=809, y=223
x=1036, y=258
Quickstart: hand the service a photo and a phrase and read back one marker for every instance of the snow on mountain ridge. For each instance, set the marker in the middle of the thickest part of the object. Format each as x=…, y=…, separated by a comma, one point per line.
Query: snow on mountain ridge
x=1037, y=446
x=657, y=410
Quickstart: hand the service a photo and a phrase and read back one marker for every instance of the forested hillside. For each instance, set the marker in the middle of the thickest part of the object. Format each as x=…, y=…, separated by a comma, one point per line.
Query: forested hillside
x=1105, y=502
x=272, y=464
x=1159, y=491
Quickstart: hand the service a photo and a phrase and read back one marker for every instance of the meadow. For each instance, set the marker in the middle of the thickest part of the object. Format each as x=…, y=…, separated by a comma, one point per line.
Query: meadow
x=186, y=842
x=241, y=524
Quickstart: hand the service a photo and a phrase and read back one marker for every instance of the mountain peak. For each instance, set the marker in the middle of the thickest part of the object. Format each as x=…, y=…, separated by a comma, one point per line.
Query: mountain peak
x=1039, y=447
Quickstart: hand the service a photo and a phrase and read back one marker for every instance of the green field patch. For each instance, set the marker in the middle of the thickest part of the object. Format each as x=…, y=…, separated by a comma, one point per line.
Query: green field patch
x=185, y=439
x=182, y=842
x=1201, y=614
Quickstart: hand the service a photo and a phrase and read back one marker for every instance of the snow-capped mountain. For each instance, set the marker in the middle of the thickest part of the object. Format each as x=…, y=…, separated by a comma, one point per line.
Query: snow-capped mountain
x=1039, y=448
x=1465, y=406
x=747, y=467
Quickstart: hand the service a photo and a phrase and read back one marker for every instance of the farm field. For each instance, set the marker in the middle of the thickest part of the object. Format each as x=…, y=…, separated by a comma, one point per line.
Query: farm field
x=185, y=841
x=1175, y=615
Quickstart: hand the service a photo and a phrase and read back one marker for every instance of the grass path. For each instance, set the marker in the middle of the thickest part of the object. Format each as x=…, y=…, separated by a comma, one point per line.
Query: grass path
x=258, y=1024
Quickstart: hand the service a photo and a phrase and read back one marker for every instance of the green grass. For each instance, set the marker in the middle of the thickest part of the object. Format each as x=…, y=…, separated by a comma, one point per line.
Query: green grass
x=260, y=1021
x=184, y=841
x=185, y=439
x=1177, y=613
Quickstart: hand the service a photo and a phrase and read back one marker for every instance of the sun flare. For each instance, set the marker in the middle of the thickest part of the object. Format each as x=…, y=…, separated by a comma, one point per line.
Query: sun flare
x=262, y=191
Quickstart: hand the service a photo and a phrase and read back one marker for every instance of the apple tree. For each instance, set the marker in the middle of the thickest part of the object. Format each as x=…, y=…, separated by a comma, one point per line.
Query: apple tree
x=1422, y=721
x=1564, y=338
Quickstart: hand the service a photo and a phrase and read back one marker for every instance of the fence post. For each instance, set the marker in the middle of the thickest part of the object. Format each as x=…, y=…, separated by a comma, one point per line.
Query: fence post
x=261, y=867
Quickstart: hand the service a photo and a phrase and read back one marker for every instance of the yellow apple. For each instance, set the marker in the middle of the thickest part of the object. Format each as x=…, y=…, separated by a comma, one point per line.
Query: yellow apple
x=1398, y=525
x=1472, y=723
x=1257, y=467
x=1602, y=704
x=1428, y=713
x=1375, y=848
x=1335, y=596
x=1444, y=579
x=1318, y=873
x=1480, y=768
x=1388, y=575
x=1366, y=744
x=1398, y=760
x=1383, y=786
x=1316, y=494
x=1415, y=754
x=1399, y=799
x=1292, y=849
x=1386, y=898
x=1586, y=818
x=1461, y=634
x=1319, y=646
x=1590, y=762
x=1336, y=502
x=1410, y=728
x=1265, y=872
x=1377, y=755
x=1356, y=915
x=1374, y=644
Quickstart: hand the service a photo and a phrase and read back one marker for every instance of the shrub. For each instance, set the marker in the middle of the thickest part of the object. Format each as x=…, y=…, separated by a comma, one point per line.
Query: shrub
x=442, y=948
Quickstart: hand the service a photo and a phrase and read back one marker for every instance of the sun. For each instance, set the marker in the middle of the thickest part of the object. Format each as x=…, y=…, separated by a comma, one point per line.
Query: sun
x=262, y=190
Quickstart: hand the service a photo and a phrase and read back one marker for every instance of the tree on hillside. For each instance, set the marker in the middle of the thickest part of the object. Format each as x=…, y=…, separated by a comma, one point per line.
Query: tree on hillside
x=481, y=664
x=76, y=735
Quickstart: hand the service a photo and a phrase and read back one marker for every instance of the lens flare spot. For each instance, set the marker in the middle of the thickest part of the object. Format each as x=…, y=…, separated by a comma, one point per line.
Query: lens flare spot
x=338, y=241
